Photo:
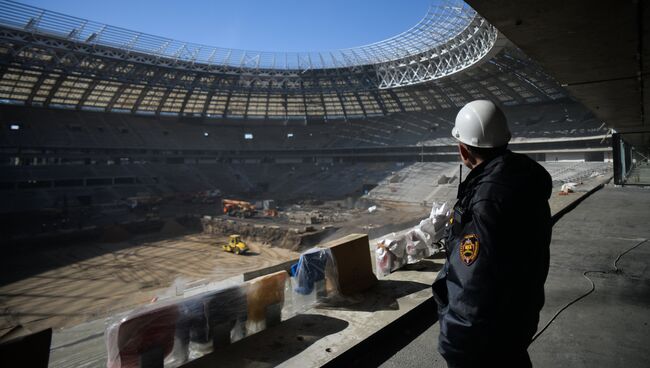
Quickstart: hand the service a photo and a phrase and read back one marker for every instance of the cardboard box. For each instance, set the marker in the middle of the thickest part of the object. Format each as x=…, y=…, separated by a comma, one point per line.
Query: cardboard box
x=353, y=263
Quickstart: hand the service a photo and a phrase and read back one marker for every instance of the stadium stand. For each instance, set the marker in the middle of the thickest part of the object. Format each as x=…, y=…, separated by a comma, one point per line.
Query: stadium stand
x=90, y=115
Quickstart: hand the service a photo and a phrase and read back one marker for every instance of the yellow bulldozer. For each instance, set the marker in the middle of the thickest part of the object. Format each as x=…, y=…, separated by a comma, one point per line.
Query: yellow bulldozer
x=235, y=245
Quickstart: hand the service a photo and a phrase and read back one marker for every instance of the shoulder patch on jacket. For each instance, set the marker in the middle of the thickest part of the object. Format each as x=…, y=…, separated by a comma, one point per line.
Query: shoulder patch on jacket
x=469, y=249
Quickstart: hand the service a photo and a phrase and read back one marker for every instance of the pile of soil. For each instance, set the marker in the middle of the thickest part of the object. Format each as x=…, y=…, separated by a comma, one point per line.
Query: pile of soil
x=172, y=228
x=114, y=234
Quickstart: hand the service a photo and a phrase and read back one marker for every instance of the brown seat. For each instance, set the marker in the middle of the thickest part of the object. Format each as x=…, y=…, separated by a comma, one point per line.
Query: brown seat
x=145, y=339
x=265, y=296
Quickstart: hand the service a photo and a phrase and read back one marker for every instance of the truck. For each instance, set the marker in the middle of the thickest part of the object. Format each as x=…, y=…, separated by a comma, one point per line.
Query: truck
x=242, y=209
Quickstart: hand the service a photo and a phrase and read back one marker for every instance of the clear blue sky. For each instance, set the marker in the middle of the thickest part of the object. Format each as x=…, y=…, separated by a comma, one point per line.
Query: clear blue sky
x=266, y=25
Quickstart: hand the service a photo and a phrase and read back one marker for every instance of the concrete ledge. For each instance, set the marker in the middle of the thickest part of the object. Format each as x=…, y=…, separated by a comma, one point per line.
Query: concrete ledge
x=284, y=266
x=341, y=334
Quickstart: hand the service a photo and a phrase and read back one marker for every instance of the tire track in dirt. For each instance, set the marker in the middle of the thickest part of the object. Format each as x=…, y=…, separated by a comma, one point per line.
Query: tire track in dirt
x=85, y=282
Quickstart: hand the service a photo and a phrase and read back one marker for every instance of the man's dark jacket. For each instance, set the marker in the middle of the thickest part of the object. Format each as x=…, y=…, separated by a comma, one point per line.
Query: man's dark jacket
x=491, y=288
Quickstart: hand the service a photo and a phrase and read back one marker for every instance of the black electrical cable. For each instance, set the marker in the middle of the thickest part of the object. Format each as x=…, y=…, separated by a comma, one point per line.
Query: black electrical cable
x=591, y=290
x=624, y=253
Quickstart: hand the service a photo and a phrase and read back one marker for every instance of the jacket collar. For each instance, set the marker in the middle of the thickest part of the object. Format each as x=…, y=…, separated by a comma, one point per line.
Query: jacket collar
x=484, y=168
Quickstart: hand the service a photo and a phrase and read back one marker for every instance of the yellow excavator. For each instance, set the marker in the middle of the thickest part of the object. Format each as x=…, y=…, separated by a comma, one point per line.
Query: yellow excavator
x=235, y=245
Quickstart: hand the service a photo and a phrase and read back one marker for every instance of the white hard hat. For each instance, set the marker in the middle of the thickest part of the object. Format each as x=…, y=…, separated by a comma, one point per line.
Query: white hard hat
x=481, y=123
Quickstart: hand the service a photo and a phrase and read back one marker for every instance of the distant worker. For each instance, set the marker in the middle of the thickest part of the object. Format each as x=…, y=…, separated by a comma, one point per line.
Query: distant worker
x=491, y=289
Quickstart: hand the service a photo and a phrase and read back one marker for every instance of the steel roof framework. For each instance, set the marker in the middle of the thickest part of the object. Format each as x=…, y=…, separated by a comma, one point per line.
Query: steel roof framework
x=39, y=68
x=149, y=90
x=441, y=23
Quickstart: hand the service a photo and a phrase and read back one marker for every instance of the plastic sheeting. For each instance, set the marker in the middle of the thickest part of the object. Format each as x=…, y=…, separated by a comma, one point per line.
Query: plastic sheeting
x=173, y=332
x=311, y=269
x=145, y=337
x=412, y=245
x=314, y=280
x=265, y=299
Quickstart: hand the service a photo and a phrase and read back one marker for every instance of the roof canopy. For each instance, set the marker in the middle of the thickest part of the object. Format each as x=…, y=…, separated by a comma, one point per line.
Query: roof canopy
x=441, y=24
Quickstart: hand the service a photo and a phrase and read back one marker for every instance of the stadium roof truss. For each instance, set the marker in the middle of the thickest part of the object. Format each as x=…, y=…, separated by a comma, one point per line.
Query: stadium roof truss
x=53, y=60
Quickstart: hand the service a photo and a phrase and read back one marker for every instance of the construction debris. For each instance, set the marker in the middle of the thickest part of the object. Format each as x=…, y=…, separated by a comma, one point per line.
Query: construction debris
x=568, y=188
x=305, y=217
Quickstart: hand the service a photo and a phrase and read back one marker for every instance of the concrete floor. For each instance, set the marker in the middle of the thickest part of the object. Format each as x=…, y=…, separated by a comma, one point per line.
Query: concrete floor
x=640, y=174
x=609, y=327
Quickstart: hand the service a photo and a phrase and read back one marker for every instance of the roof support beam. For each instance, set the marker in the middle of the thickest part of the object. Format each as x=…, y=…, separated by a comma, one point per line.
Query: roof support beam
x=432, y=101
x=392, y=93
x=87, y=92
x=3, y=70
x=322, y=101
x=363, y=108
x=140, y=98
x=54, y=89
x=304, y=99
x=190, y=93
x=444, y=95
x=227, y=106
x=150, y=84
x=37, y=86
x=268, y=102
x=342, y=102
x=163, y=99
x=248, y=103
x=116, y=96
x=173, y=83
x=418, y=100
x=379, y=101
x=213, y=88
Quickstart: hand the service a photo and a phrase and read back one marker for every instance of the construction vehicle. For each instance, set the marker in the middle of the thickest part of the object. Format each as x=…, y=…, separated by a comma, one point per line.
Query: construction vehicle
x=271, y=213
x=270, y=209
x=235, y=245
x=241, y=209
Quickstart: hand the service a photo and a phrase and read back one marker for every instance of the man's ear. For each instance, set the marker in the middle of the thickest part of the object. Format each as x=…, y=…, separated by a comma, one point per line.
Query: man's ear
x=464, y=152
x=466, y=156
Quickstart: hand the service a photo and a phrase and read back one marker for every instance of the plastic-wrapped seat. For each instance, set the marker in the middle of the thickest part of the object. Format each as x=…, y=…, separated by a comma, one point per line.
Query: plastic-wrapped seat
x=265, y=299
x=215, y=319
x=225, y=311
x=145, y=338
x=311, y=269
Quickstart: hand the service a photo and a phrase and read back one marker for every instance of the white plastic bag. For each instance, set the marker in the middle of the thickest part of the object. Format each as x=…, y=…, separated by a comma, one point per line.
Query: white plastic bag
x=412, y=245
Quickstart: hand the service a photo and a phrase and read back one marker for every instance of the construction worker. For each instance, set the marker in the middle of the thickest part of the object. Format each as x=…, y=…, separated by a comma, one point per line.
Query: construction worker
x=491, y=289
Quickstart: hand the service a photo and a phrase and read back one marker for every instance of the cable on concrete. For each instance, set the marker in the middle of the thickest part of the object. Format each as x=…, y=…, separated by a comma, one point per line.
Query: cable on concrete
x=591, y=290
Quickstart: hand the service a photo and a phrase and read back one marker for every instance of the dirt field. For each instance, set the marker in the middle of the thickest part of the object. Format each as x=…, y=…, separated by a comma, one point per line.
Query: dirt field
x=66, y=286
x=61, y=286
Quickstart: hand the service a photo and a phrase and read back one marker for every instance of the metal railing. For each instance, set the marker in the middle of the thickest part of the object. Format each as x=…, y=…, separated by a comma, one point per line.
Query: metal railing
x=631, y=158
